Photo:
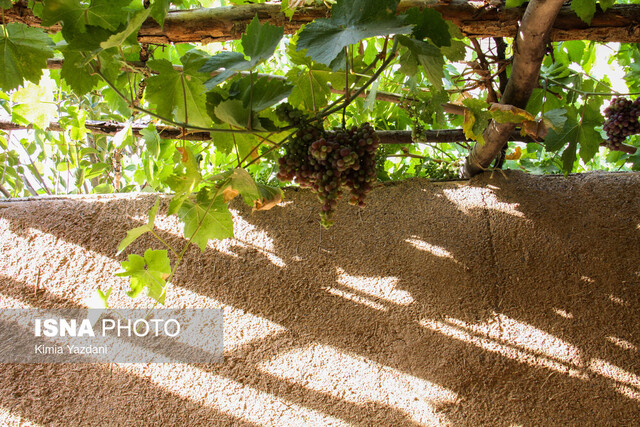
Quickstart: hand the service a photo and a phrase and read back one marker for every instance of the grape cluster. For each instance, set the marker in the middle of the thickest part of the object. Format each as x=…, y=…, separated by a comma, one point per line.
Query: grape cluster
x=621, y=120
x=329, y=162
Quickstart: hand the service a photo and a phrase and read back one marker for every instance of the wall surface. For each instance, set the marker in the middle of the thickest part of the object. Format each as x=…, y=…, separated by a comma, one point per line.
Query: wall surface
x=506, y=300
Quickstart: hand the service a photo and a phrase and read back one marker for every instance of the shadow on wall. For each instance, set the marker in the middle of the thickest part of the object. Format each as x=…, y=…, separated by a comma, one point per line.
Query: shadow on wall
x=514, y=299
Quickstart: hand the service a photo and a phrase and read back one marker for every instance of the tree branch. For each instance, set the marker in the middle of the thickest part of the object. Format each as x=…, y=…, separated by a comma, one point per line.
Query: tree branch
x=168, y=132
x=529, y=51
x=618, y=24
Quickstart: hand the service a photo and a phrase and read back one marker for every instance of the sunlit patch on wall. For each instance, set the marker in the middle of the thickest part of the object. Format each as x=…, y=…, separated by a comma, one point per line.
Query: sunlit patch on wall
x=356, y=298
x=562, y=313
x=514, y=340
x=229, y=397
x=625, y=382
x=428, y=247
x=618, y=300
x=527, y=344
x=384, y=288
x=356, y=379
x=624, y=344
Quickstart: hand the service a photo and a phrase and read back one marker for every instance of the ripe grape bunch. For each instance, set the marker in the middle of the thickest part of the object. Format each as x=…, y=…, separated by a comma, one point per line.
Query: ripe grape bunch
x=329, y=162
x=621, y=120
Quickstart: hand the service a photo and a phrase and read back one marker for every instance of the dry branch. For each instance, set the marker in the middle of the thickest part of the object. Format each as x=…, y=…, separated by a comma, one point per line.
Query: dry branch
x=168, y=132
x=474, y=18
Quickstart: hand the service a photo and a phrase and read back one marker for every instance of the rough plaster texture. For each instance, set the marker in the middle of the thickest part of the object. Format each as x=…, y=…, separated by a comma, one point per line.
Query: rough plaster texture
x=506, y=300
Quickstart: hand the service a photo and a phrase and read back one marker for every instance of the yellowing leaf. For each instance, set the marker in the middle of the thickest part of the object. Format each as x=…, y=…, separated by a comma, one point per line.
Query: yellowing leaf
x=229, y=193
x=517, y=153
x=504, y=113
x=269, y=197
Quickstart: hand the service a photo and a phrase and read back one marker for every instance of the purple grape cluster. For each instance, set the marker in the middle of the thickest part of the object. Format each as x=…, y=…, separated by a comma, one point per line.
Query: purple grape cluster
x=621, y=120
x=330, y=162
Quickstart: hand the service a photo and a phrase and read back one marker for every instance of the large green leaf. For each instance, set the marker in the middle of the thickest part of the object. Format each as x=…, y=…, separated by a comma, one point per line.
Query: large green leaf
x=311, y=88
x=77, y=73
x=75, y=15
x=149, y=272
x=558, y=139
x=585, y=9
x=588, y=137
x=132, y=27
x=263, y=93
x=241, y=182
x=35, y=104
x=425, y=54
x=236, y=114
x=259, y=42
x=429, y=23
x=350, y=22
x=25, y=51
x=159, y=10
x=205, y=219
x=179, y=94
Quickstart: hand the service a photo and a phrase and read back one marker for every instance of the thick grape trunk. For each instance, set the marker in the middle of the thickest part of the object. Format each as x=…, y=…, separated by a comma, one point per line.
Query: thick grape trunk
x=529, y=51
x=474, y=18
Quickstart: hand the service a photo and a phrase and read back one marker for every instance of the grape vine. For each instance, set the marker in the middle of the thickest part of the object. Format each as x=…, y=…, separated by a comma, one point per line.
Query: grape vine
x=329, y=162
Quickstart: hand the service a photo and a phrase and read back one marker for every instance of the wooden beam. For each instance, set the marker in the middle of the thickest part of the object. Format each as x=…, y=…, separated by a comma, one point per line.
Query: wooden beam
x=474, y=18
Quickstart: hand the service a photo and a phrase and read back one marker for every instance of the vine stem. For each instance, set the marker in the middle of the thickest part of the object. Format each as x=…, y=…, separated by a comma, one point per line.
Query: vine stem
x=587, y=94
x=180, y=256
x=165, y=119
x=368, y=83
x=168, y=246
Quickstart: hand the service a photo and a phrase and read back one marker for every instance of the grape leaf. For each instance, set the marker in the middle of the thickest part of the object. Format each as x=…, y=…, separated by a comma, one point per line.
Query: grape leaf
x=558, y=139
x=425, y=54
x=235, y=114
x=589, y=140
x=134, y=233
x=588, y=137
x=231, y=62
x=429, y=23
x=310, y=88
x=25, y=51
x=77, y=73
x=179, y=94
x=150, y=272
x=226, y=142
x=259, y=42
x=350, y=22
x=107, y=14
x=159, y=10
x=556, y=118
x=503, y=113
x=241, y=182
x=585, y=9
x=569, y=156
x=152, y=140
x=269, y=197
x=35, y=104
x=185, y=178
x=132, y=27
x=606, y=4
x=205, y=219
x=266, y=92
x=476, y=119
